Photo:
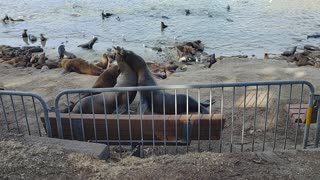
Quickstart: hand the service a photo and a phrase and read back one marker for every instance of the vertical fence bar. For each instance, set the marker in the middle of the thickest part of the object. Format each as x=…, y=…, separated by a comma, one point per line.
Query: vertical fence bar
x=187, y=96
x=175, y=118
x=94, y=117
x=25, y=114
x=255, y=118
x=266, y=119
x=164, y=122
x=210, y=121
x=277, y=118
x=70, y=122
x=288, y=117
x=4, y=113
x=118, y=123
x=141, y=127
x=15, y=114
x=316, y=143
x=35, y=112
x=81, y=115
x=153, y=136
x=244, y=116
x=106, y=122
x=232, y=118
x=129, y=116
x=221, y=124
x=199, y=120
x=298, y=123
x=308, y=121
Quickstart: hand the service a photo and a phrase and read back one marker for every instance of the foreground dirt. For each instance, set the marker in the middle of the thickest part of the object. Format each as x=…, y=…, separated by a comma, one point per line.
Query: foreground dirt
x=20, y=160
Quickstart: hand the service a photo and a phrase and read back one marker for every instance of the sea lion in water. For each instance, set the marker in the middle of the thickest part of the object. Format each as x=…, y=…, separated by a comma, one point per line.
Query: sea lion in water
x=32, y=38
x=163, y=26
x=42, y=38
x=89, y=44
x=145, y=79
x=24, y=34
x=126, y=78
x=80, y=66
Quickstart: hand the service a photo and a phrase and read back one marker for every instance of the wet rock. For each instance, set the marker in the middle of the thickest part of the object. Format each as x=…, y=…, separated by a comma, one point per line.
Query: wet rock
x=311, y=48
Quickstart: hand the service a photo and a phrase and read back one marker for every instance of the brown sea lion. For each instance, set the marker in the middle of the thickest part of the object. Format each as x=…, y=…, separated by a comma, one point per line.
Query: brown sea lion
x=107, y=79
x=145, y=79
x=80, y=66
x=41, y=61
x=104, y=61
x=111, y=100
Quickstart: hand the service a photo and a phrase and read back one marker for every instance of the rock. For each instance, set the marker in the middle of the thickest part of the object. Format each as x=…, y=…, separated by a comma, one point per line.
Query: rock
x=44, y=68
x=311, y=48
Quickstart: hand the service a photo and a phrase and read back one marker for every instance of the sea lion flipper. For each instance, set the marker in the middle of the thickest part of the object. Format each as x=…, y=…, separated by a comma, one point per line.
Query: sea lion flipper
x=206, y=103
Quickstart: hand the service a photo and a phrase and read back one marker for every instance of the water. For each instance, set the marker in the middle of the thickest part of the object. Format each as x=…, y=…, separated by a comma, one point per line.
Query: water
x=258, y=26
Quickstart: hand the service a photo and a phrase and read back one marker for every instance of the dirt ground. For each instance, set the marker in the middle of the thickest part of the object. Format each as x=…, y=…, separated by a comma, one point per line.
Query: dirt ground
x=21, y=160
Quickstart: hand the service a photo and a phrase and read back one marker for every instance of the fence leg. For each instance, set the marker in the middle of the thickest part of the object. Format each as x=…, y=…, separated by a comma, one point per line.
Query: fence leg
x=308, y=121
x=316, y=143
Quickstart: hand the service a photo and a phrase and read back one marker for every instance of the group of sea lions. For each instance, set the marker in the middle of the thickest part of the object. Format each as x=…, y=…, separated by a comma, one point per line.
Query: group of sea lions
x=131, y=70
x=26, y=57
x=309, y=56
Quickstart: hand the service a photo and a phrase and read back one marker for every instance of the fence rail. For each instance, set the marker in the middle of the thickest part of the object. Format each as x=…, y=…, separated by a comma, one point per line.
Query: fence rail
x=219, y=117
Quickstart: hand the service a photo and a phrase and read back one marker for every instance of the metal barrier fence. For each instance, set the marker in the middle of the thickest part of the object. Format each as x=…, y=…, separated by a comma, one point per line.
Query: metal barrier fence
x=251, y=116
x=20, y=113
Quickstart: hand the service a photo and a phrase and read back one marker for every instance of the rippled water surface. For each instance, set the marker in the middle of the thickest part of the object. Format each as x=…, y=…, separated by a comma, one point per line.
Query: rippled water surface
x=256, y=26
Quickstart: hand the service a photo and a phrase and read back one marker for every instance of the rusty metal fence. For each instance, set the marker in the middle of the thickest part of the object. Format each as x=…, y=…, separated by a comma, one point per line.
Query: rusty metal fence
x=227, y=117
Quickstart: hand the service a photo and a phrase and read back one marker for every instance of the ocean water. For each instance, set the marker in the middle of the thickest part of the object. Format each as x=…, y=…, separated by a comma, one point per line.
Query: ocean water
x=256, y=27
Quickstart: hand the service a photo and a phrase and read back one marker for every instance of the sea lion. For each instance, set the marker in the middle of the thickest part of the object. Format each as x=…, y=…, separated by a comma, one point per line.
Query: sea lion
x=41, y=61
x=289, y=53
x=145, y=79
x=212, y=60
x=126, y=78
x=65, y=54
x=187, y=12
x=5, y=19
x=80, y=66
x=24, y=34
x=228, y=7
x=32, y=38
x=313, y=36
x=107, y=79
x=42, y=38
x=104, y=61
x=89, y=44
x=163, y=26
x=106, y=15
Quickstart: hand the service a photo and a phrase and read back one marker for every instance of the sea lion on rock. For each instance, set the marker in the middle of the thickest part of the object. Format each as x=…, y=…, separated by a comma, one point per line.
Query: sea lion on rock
x=289, y=53
x=110, y=100
x=145, y=79
x=89, y=44
x=104, y=61
x=80, y=66
x=65, y=54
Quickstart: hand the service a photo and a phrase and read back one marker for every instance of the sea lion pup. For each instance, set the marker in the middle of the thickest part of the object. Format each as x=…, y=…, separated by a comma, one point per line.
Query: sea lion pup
x=89, y=44
x=289, y=53
x=163, y=26
x=145, y=79
x=80, y=66
x=40, y=62
x=65, y=54
x=104, y=61
x=126, y=78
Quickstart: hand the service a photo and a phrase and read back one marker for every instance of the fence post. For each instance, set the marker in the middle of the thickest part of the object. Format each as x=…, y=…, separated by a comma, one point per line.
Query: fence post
x=308, y=121
x=317, y=98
